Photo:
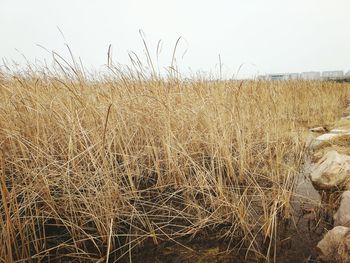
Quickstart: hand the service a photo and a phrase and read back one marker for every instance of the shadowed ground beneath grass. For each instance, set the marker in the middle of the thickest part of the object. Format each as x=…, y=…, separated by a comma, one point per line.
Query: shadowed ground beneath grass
x=297, y=236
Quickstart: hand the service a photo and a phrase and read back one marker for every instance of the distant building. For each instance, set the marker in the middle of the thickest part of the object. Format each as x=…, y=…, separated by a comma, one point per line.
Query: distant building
x=332, y=74
x=292, y=76
x=280, y=76
x=312, y=75
x=262, y=77
x=277, y=76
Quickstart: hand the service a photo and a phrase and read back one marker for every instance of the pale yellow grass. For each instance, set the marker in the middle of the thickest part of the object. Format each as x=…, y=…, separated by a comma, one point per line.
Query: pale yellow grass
x=91, y=169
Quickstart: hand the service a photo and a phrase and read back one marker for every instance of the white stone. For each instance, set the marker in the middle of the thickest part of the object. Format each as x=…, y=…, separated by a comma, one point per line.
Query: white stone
x=331, y=171
x=324, y=138
x=342, y=216
x=334, y=247
x=327, y=137
x=340, y=131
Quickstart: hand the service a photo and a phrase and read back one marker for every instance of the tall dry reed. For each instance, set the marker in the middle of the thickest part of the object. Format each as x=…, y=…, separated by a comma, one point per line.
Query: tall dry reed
x=94, y=169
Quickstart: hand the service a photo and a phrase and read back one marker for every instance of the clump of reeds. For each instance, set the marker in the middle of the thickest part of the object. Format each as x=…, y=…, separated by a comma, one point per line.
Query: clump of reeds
x=93, y=168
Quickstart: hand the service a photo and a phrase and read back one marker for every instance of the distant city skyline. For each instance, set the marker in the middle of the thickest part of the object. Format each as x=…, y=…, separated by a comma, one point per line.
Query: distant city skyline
x=309, y=75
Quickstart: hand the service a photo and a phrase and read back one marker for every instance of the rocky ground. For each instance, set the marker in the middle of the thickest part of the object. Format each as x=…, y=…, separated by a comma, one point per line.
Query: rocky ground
x=330, y=174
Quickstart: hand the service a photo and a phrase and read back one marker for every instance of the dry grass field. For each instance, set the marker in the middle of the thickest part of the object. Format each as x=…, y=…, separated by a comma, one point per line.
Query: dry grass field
x=94, y=169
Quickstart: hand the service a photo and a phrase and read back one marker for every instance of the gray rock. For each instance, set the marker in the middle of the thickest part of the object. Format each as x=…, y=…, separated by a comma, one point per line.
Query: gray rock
x=342, y=216
x=335, y=246
x=332, y=171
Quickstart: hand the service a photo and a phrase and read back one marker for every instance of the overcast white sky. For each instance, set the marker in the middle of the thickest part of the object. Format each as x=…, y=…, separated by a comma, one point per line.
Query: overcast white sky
x=263, y=35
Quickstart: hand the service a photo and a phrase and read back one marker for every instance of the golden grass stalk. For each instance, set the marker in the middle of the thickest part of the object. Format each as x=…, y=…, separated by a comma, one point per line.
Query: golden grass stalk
x=92, y=169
